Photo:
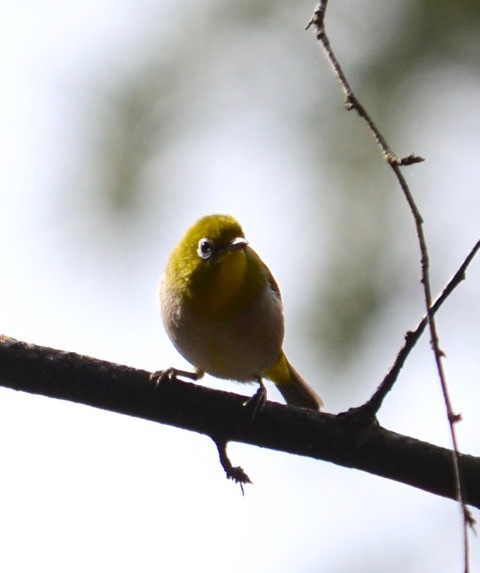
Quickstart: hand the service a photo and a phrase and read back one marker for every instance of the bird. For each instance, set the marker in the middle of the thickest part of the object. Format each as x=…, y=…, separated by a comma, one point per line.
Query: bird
x=222, y=310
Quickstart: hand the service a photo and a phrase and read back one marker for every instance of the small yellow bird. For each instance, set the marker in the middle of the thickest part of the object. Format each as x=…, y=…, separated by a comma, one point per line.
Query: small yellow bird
x=222, y=309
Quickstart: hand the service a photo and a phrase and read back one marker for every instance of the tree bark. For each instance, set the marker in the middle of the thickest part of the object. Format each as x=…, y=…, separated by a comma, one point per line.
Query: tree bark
x=346, y=440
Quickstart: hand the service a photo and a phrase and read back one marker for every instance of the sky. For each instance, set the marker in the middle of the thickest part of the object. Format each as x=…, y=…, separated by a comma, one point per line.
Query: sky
x=85, y=489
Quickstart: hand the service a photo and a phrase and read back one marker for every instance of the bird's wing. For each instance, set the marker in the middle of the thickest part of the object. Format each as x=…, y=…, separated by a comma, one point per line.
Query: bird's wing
x=272, y=282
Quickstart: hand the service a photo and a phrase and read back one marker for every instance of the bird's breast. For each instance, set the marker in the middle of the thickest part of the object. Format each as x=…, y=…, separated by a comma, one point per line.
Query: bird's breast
x=227, y=286
x=232, y=327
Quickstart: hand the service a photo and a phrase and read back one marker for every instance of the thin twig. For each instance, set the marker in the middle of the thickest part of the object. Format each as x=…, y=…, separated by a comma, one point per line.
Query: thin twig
x=375, y=402
x=395, y=162
x=235, y=473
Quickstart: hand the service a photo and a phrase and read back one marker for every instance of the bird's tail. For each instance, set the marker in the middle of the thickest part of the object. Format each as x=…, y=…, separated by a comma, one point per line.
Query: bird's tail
x=292, y=386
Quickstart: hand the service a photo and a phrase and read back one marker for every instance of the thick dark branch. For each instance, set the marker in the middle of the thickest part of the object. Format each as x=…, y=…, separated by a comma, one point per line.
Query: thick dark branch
x=221, y=415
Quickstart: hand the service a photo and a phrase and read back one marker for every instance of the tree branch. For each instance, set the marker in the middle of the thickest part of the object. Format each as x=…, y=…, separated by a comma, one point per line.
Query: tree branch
x=221, y=415
x=411, y=338
x=395, y=162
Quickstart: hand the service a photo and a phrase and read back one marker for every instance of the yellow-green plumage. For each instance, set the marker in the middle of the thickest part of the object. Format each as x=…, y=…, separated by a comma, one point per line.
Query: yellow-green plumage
x=222, y=309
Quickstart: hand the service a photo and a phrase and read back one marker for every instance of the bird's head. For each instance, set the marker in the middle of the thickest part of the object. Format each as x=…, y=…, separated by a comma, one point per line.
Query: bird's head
x=213, y=248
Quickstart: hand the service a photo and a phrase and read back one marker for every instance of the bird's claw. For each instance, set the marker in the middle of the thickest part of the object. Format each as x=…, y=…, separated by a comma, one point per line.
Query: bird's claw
x=172, y=375
x=256, y=402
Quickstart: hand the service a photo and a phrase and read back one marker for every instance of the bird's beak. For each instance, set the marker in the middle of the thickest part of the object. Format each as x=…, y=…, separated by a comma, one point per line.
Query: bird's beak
x=236, y=244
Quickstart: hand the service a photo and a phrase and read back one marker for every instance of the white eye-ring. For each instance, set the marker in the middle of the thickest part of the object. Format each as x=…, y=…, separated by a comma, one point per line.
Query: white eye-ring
x=205, y=248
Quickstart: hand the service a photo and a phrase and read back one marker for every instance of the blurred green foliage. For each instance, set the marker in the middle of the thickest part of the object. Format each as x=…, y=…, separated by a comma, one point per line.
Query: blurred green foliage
x=224, y=59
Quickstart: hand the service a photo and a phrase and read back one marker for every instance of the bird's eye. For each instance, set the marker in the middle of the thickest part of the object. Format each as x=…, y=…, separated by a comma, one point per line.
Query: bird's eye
x=205, y=249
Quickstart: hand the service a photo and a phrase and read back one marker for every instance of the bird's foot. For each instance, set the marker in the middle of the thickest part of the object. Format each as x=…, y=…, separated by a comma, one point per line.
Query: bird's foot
x=172, y=375
x=256, y=403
